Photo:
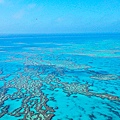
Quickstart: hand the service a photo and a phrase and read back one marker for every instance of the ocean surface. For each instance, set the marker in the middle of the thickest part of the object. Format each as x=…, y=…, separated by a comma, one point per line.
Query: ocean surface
x=60, y=77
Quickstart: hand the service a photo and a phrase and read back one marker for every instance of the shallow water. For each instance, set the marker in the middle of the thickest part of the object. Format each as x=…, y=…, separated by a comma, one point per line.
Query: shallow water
x=60, y=77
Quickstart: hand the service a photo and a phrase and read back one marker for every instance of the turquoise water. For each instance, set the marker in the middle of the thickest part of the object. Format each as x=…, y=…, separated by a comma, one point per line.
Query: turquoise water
x=60, y=77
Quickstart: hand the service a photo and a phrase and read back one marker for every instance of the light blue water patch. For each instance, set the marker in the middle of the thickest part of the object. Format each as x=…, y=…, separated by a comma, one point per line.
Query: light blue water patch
x=14, y=104
x=1, y=83
x=11, y=91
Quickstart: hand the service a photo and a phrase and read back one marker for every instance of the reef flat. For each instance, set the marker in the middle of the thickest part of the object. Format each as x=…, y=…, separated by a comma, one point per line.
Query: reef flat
x=59, y=78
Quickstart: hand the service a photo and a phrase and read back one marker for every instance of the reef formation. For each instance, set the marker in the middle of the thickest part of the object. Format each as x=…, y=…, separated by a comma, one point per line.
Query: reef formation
x=29, y=83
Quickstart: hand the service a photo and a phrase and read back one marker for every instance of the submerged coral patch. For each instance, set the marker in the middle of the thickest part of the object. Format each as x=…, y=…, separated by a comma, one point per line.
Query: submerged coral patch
x=105, y=77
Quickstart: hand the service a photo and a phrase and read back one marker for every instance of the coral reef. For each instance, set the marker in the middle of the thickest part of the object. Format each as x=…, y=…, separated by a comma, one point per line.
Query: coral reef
x=31, y=90
x=29, y=83
x=34, y=109
x=105, y=77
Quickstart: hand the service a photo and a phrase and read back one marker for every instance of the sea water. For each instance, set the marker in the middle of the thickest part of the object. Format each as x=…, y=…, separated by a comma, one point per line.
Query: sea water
x=60, y=77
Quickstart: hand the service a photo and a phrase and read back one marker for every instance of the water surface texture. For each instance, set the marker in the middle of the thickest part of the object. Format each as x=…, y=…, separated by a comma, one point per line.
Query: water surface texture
x=60, y=77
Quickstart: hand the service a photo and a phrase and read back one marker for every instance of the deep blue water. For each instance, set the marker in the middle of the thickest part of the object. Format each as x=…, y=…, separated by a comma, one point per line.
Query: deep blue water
x=60, y=77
